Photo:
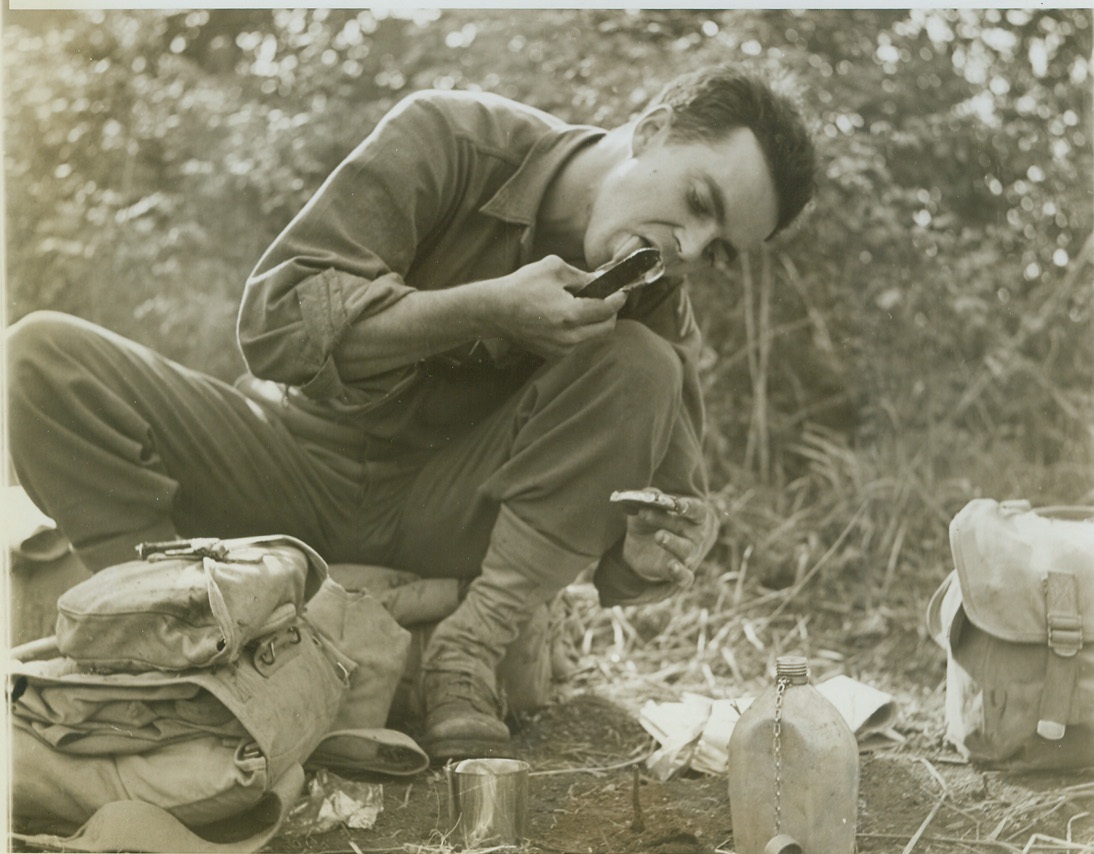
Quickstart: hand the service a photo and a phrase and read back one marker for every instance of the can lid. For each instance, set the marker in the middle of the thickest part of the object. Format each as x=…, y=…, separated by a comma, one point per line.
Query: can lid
x=794, y=668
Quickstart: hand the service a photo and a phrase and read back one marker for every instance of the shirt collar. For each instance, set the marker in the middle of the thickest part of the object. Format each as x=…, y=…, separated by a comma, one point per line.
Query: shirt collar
x=519, y=198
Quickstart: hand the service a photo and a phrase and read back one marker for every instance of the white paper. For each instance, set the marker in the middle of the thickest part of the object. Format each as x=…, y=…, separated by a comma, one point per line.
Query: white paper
x=695, y=731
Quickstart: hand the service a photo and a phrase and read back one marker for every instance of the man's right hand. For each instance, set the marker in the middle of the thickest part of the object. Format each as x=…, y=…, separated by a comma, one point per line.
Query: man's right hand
x=536, y=309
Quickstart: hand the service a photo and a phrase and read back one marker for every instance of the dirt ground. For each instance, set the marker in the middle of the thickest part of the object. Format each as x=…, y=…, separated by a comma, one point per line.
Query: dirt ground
x=587, y=752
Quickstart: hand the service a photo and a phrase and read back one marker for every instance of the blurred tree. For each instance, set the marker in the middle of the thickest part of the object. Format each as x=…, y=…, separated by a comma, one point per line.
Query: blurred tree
x=923, y=335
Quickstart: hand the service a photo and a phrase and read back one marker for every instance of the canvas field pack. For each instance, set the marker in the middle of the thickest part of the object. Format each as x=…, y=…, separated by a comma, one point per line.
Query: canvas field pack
x=1016, y=617
x=177, y=711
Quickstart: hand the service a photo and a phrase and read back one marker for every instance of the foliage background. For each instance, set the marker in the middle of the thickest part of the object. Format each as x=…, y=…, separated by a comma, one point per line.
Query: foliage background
x=920, y=338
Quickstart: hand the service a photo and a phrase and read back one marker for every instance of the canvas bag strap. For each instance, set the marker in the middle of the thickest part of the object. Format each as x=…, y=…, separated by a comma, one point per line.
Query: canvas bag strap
x=139, y=826
x=351, y=751
x=1065, y=639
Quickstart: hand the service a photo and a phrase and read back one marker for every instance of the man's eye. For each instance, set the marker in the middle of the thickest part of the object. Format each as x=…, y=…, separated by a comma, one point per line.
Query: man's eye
x=696, y=201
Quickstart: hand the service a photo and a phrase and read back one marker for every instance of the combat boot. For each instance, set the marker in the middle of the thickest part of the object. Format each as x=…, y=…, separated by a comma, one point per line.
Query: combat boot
x=464, y=716
x=521, y=571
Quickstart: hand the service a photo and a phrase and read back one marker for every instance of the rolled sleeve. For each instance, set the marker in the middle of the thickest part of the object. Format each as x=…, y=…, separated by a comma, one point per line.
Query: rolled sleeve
x=324, y=315
x=292, y=339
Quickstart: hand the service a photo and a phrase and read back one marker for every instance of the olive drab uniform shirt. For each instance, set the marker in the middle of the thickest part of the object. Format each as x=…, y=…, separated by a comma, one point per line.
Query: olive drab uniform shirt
x=443, y=192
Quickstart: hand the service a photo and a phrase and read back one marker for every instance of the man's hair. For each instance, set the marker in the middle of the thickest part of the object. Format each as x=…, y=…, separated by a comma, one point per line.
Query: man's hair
x=710, y=102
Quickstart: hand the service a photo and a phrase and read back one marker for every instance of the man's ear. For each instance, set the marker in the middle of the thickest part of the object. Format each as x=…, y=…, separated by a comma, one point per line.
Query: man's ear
x=652, y=127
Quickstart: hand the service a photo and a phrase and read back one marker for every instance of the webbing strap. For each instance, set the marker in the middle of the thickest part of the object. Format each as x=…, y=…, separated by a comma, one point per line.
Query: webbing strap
x=1065, y=639
x=384, y=751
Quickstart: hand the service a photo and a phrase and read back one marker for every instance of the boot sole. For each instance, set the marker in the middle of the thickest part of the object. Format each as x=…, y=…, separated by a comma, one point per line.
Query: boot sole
x=446, y=750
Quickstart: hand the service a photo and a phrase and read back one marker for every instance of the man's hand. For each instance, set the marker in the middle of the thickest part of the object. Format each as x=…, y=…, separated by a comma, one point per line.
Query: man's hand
x=664, y=546
x=536, y=308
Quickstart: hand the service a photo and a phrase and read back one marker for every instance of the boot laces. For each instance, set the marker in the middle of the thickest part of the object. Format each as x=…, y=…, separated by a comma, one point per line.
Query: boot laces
x=464, y=689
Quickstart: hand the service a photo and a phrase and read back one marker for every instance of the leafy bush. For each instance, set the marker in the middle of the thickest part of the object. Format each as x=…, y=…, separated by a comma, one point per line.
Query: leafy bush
x=921, y=337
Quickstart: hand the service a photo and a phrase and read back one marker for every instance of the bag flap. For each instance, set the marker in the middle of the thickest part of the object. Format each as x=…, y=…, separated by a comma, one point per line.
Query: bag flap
x=943, y=612
x=1003, y=554
x=317, y=570
x=190, y=603
x=383, y=751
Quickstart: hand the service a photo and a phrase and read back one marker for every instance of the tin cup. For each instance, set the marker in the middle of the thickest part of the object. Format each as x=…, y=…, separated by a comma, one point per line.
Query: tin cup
x=488, y=801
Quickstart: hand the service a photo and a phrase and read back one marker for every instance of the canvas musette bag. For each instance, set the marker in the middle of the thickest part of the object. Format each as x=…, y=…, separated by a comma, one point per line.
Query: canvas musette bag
x=1016, y=617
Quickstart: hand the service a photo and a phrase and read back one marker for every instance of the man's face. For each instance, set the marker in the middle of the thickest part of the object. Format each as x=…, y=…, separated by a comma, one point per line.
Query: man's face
x=691, y=200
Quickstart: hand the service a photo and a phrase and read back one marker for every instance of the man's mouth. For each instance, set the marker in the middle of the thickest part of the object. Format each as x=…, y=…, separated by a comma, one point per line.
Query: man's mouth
x=668, y=253
x=630, y=245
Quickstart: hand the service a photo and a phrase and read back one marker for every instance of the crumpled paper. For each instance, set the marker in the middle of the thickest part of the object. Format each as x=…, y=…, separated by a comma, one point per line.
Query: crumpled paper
x=332, y=802
x=694, y=732
x=869, y=712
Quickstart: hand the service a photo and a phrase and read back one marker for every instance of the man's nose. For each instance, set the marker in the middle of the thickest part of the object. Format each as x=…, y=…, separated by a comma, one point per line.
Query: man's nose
x=693, y=242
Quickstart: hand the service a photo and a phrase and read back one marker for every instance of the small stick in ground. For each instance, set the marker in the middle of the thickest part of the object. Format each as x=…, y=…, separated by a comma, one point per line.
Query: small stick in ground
x=638, y=825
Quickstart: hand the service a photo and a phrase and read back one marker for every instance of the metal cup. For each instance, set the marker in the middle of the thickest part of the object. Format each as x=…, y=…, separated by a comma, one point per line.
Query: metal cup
x=488, y=801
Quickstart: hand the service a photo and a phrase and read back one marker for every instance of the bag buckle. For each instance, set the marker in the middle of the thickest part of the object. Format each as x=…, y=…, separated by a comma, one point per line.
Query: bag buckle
x=1065, y=634
x=267, y=654
x=198, y=548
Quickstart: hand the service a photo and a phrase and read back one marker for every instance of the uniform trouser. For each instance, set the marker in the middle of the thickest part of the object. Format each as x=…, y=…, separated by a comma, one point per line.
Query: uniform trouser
x=120, y=445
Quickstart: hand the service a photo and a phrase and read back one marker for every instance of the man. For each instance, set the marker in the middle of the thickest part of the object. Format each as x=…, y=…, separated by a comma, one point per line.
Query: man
x=427, y=389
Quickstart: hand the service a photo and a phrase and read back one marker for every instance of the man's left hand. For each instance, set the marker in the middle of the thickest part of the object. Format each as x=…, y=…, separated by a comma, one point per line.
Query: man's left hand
x=662, y=545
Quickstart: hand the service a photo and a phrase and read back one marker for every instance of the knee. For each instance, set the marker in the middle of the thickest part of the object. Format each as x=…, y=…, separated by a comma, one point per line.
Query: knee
x=31, y=342
x=641, y=364
x=42, y=350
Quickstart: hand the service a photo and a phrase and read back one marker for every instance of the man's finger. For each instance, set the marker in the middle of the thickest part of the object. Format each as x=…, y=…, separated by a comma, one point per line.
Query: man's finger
x=693, y=509
x=588, y=331
x=681, y=575
x=599, y=309
x=575, y=286
x=668, y=521
x=599, y=329
x=679, y=547
x=615, y=301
